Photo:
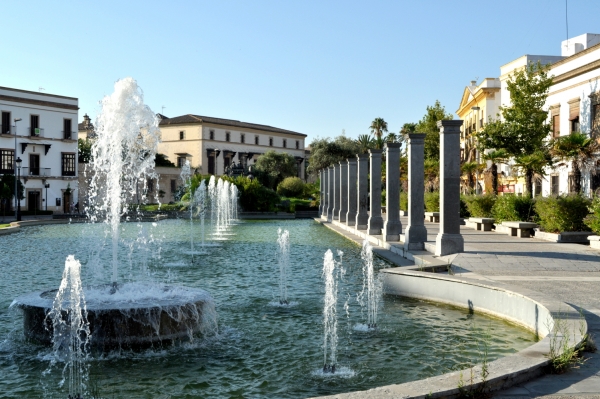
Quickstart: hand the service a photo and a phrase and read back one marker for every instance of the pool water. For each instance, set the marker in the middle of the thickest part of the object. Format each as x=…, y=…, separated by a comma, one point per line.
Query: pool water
x=261, y=350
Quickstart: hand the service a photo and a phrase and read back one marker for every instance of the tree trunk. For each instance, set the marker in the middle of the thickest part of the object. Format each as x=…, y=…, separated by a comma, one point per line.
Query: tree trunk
x=495, y=179
x=529, y=183
x=576, y=178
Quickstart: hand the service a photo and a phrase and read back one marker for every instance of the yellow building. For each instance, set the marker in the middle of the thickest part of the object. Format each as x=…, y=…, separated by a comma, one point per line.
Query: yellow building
x=213, y=144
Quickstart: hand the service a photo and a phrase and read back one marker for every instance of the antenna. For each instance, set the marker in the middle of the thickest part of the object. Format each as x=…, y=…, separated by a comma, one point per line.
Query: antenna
x=40, y=89
x=162, y=111
x=567, y=19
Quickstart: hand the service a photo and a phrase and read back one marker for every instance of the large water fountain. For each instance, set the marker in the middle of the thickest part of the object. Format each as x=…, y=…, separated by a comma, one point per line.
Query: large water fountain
x=124, y=314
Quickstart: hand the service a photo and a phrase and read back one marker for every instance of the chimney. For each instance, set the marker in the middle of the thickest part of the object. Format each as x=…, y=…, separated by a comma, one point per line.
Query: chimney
x=473, y=83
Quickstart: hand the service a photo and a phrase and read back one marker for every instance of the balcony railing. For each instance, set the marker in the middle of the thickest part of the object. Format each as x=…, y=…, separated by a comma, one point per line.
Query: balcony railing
x=35, y=172
x=10, y=171
x=69, y=135
x=68, y=173
x=7, y=129
x=36, y=132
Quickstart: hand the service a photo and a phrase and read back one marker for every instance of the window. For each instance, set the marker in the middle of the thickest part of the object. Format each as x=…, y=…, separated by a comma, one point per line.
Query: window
x=574, y=114
x=7, y=159
x=555, y=125
x=554, y=184
x=242, y=138
x=34, y=125
x=173, y=185
x=5, y=123
x=68, y=164
x=596, y=117
x=284, y=143
x=180, y=162
x=575, y=127
x=67, y=129
x=181, y=135
x=537, y=188
x=255, y=140
x=297, y=144
x=211, y=164
x=211, y=135
x=227, y=136
x=270, y=141
x=571, y=182
x=150, y=186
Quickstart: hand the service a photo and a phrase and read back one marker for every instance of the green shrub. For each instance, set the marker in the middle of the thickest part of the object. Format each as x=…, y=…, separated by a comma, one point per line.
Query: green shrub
x=291, y=187
x=432, y=201
x=593, y=219
x=562, y=213
x=480, y=206
x=312, y=190
x=510, y=207
x=404, y=201
x=383, y=193
x=254, y=197
x=464, y=211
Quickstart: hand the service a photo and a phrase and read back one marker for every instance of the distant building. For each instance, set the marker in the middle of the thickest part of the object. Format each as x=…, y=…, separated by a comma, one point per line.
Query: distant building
x=214, y=144
x=45, y=140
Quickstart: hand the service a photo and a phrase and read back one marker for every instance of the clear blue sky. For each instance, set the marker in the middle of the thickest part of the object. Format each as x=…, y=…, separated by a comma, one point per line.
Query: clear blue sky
x=315, y=67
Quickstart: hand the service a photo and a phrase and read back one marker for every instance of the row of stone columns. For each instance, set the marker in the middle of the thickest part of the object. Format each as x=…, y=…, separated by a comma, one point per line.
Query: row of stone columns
x=346, y=190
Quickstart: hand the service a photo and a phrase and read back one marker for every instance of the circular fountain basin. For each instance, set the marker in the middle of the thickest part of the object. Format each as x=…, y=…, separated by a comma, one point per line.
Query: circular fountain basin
x=136, y=315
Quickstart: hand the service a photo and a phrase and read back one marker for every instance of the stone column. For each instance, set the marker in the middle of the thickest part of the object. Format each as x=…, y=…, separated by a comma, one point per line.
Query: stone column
x=375, y=219
x=352, y=198
x=362, y=217
x=392, y=226
x=343, y=191
x=321, y=191
x=336, y=192
x=449, y=240
x=416, y=233
x=329, y=193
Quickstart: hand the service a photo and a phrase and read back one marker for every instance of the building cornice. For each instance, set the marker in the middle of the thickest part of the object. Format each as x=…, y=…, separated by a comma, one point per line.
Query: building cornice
x=576, y=72
x=31, y=101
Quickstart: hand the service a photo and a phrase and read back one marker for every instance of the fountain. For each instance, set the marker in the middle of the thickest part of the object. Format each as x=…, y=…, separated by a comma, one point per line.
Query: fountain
x=283, y=259
x=131, y=314
x=200, y=202
x=368, y=298
x=330, y=337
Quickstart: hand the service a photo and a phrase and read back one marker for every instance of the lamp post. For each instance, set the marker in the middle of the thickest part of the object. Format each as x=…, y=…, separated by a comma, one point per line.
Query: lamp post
x=18, y=162
x=47, y=185
x=17, y=216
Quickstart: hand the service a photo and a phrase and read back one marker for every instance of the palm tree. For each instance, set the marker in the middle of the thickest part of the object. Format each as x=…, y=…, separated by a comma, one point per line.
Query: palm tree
x=432, y=174
x=579, y=149
x=469, y=169
x=393, y=138
x=378, y=127
x=496, y=157
x=531, y=165
x=365, y=142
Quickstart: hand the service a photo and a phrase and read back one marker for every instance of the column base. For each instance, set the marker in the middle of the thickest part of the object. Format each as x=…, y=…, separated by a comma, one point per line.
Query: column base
x=342, y=216
x=351, y=219
x=446, y=244
x=375, y=225
x=391, y=230
x=415, y=237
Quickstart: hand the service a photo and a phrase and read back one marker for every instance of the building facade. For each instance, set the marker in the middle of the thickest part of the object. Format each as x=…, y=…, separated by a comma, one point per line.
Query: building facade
x=213, y=144
x=38, y=129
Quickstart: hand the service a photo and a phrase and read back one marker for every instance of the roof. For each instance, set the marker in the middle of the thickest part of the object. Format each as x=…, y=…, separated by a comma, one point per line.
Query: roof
x=193, y=119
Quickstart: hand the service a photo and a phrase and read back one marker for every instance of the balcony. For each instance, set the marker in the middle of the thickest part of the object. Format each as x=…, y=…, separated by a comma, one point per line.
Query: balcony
x=36, y=132
x=69, y=135
x=7, y=129
x=68, y=173
x=35, y=172
x=10, y=171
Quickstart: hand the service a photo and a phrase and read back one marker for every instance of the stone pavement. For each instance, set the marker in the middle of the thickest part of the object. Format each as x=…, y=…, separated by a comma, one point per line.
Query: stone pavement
x=569, y=272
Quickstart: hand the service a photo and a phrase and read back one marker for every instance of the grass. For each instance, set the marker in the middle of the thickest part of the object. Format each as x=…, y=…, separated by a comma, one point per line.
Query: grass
x=5, y=225
x=564, y=356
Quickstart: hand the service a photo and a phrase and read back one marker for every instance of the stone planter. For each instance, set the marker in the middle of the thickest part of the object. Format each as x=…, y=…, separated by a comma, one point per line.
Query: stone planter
x=594, y=241
x=579, y=237
x=403, y=213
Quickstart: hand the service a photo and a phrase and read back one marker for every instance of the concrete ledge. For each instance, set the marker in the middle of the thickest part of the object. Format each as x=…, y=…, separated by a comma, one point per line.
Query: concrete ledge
x=432, y=217
x=484, y=224
x=565, y=236
x=535, y=312
x=16, y=226
x=594, y=241
x=519, y=229
x=266, y=215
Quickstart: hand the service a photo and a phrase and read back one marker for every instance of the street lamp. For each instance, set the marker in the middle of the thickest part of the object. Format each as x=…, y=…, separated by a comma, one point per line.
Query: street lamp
x=47, y=185
x=18, y=162
x=17, y=216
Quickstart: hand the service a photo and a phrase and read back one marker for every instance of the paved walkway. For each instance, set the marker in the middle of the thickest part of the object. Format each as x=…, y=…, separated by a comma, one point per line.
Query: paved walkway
x=568, y=272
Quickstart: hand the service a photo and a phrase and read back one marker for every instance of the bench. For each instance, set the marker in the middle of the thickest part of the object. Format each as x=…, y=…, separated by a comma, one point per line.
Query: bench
x=433, y=217
x=520, y=229
x=484, y=224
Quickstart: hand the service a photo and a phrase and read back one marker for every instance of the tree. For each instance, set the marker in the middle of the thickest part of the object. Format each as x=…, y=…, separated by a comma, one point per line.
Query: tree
x=579, y=149
x=428, y=125
x=273, y=167
x=7, y=183
x=365, y=143
x=469, y=169
x=525, y=125
x=533, y=165
x=162, y=160
x=84, y=150
x=378, y=127
x=496, y=157
x=326, y=152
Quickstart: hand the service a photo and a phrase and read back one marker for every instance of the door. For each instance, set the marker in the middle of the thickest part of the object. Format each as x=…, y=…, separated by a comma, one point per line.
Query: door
x=33, y=201
x=67, y=202
x=34, y=164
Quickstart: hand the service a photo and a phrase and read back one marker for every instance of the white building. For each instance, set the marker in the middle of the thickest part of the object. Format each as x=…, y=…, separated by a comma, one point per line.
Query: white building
x=41, y=129
x=213, y=144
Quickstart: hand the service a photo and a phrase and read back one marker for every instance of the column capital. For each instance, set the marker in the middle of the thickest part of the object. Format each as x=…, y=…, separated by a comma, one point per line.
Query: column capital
x=362, y=156
x=392, y=146
x=372, y=152
x=450, y=126
x=416, y=138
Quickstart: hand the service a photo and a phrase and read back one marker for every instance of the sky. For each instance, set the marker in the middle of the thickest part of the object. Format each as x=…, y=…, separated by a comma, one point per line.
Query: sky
x=316, y=67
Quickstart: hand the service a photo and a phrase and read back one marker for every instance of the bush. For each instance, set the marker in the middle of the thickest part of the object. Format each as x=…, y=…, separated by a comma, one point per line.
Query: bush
x=480, y=206
x=254, y=197
x=404, y=200
x=510, y=207
x=291, y=187
x=464, y=211
x=432, y=201
x=562, y=213
x=383, y=193
x=593, y=219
